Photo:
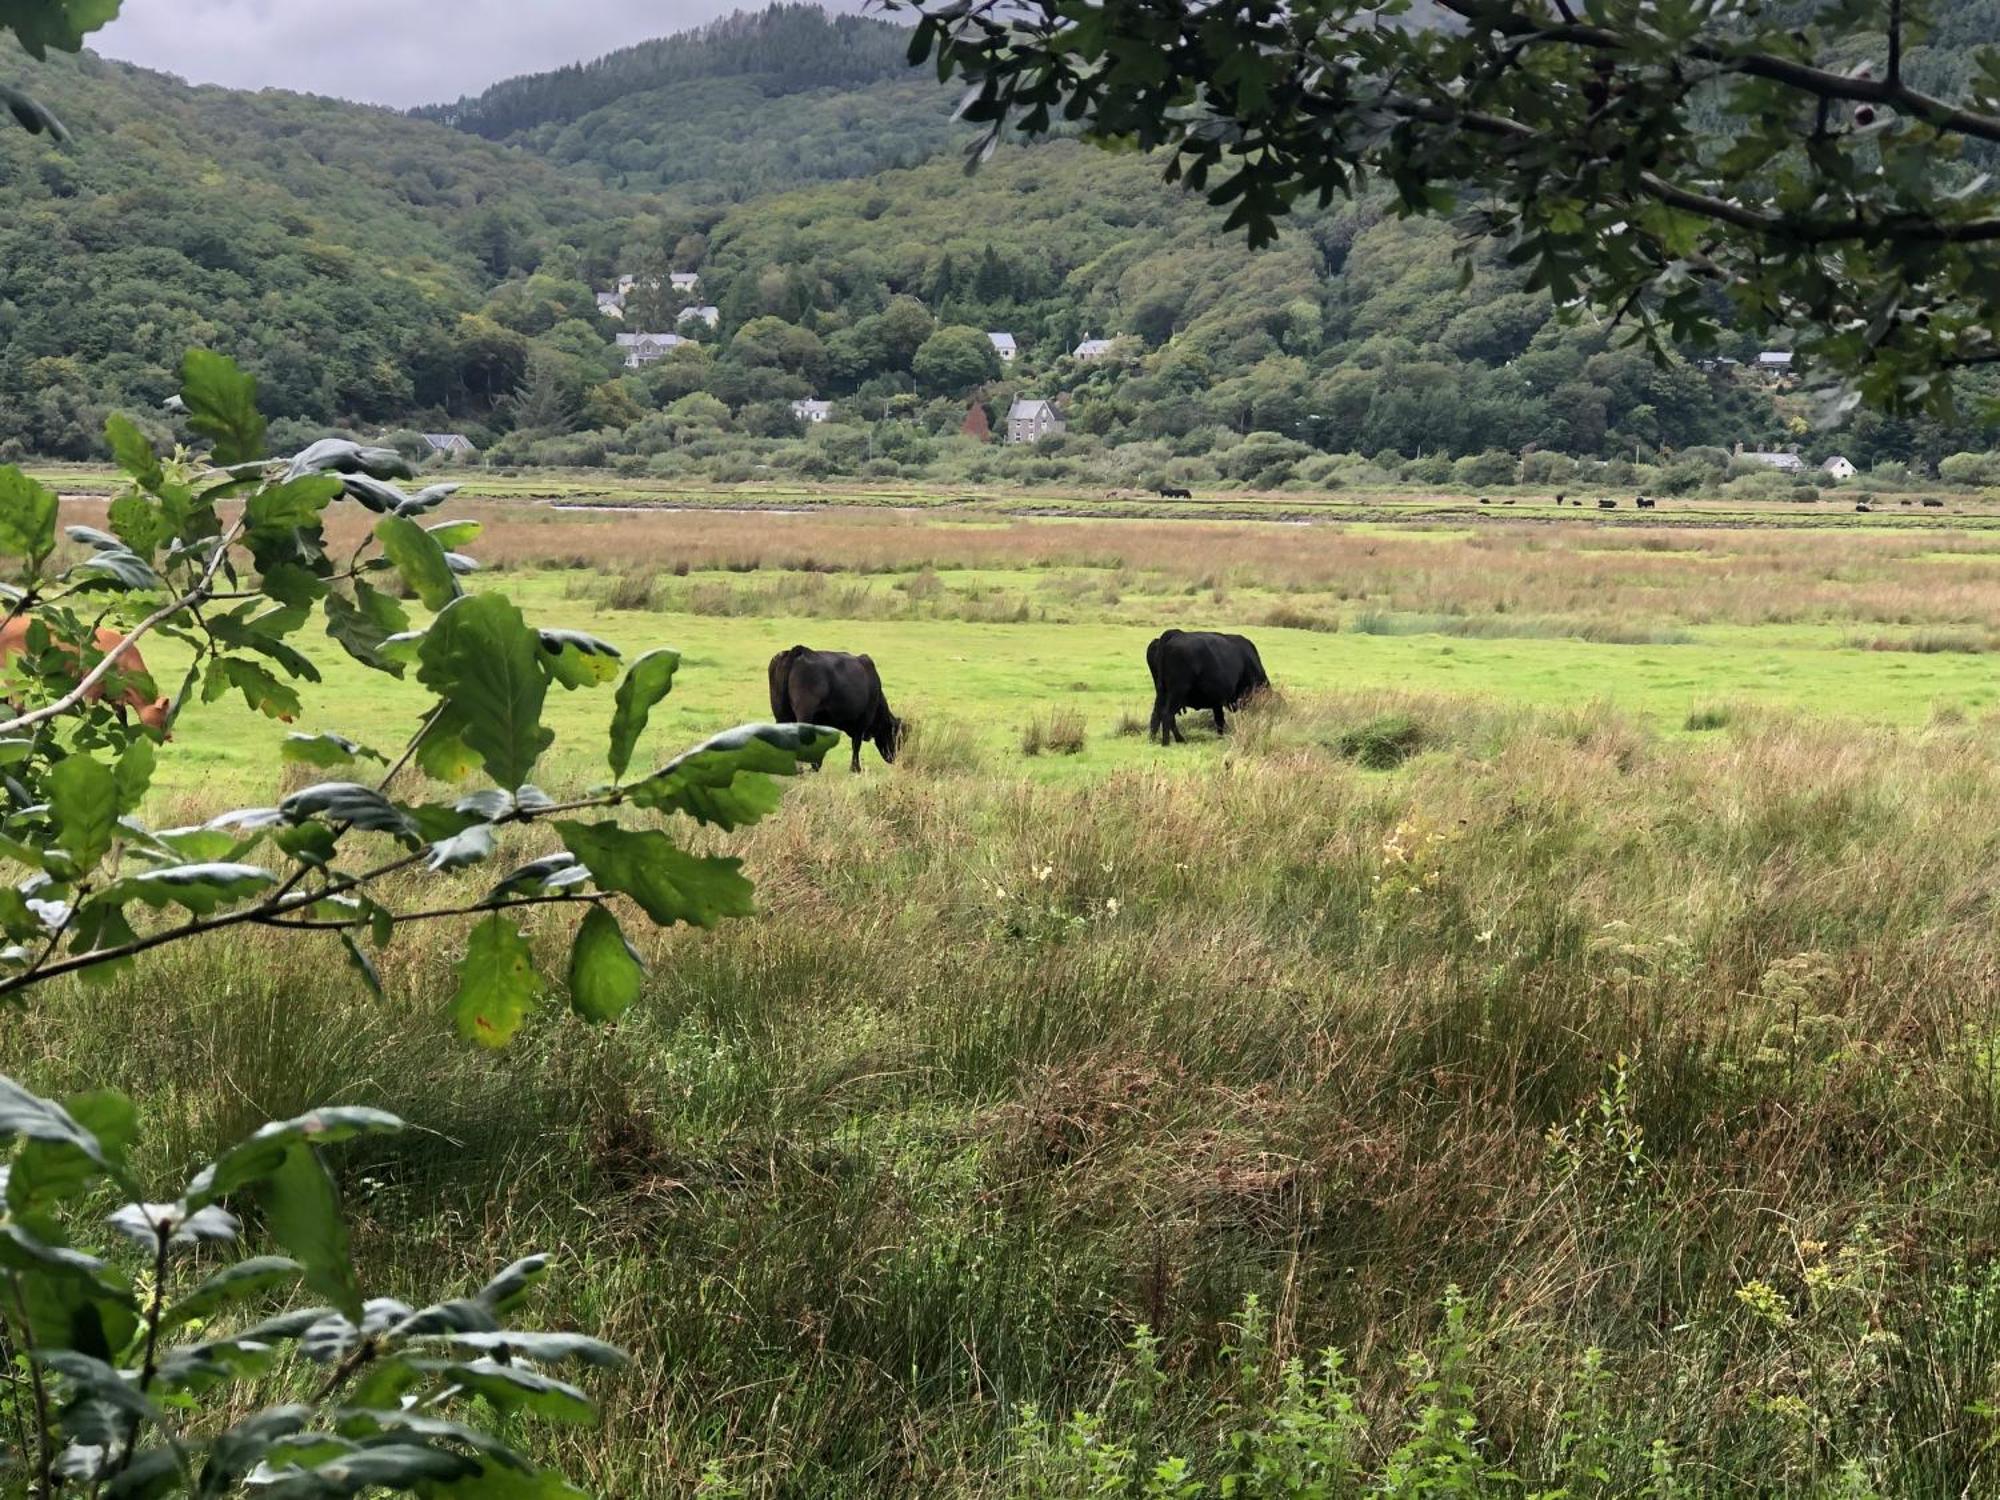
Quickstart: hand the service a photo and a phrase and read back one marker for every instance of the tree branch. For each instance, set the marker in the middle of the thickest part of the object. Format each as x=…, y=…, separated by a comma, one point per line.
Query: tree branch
x=331, y=924
x=159, y=616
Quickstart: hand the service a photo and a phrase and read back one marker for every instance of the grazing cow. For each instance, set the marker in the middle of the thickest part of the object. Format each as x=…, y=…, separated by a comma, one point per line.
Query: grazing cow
x=1175, y=492
x=1607, y=505
x=1484, y=501
x=1646, y=503
x=1934, y=504
x=1506, y=502
x=1903, y=502
x=1559, y=499
x=128, y=677
x=1200, y=669
x=840, y=691
x=1864, y=507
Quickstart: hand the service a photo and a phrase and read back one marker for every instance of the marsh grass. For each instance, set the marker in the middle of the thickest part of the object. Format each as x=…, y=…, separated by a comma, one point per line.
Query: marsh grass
x=1059, y=731
x=1679, y=1058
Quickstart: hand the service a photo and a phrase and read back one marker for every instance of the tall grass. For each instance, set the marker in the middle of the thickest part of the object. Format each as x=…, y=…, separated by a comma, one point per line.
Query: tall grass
x=1680, y=1052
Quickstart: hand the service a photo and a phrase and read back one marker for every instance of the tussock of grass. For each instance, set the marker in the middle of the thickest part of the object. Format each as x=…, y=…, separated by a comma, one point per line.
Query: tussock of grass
x=1384, y=743
x=1060, y=732
x=1931, y=642
x=1708, y=717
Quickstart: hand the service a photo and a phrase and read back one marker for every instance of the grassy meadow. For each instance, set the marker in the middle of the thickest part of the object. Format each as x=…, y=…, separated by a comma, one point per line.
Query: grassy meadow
x=1572, y=997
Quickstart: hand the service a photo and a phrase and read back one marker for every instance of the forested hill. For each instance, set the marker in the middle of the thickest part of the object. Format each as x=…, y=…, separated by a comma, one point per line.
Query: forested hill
x=755, y=102
x=382, y=271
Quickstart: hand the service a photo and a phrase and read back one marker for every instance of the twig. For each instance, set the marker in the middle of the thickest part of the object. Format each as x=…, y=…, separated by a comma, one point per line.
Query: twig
x=99, y=672
x=45, y=1459
x=332, y=924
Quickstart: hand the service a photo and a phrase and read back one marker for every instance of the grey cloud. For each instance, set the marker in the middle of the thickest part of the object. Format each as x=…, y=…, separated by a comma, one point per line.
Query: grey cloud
x=398, y=52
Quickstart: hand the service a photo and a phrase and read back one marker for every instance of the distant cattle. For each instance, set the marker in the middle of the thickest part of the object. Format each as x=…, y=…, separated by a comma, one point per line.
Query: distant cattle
x=1484, y=501
x=1200, y=669
x=1903, y=502
x=1506, y=502
x=1607, y=505
x=1646, y=502
x=1175, y=492
x=1864, y=507
x=838, y=690
x=1935, y=504
x=128, y=678
x=1560, y=499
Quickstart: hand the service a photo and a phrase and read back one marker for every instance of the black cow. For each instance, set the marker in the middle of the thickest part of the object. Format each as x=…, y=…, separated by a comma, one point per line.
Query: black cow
x=1200, y=669
x=1175, y=492
x=1864, y=507
x=1607, y=505
x=1934, y=504
x=1644, y=502
x=840, y=691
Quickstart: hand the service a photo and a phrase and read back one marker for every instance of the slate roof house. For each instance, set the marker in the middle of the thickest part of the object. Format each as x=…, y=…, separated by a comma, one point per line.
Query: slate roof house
x=1784, y=463
x=1031, y=421
x=451, y=444
x=1093, y=349
x=643, y=349
x=1838, y=467
x=812, y=411
x=708, y=315
x=1003, y=345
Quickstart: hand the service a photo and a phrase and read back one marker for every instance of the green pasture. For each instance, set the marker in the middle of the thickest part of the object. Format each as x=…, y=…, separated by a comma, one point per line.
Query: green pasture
x=989, y=680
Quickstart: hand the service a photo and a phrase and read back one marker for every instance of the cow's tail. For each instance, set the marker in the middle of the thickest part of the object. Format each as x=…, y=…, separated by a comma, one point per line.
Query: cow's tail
x=781, y=686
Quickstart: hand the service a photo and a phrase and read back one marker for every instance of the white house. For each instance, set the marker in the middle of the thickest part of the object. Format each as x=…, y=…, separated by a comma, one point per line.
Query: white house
x=709, y=315
x=1003, y=345
x=643, y=349
x=451, y=444
x=1093, y=349
x=1030, y=421
x=611, y=305
x=1775, y=361
x=685, y=282
x=812, y=411
x=1838, y=468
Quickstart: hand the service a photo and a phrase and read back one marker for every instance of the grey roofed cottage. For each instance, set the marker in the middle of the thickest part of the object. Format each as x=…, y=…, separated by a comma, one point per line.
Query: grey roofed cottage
x=611, y=304
x=448, y=442
x=1784, y=463
x=645, y=348
x=812, y=411
x=709, y=315
x=1003, y=344
x=684, y=281
x=1093, y=348
x=1775, y=359
x=1030, y=421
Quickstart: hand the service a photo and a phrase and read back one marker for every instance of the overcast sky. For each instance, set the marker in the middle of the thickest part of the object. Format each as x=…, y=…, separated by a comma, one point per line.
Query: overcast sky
x=399, y=52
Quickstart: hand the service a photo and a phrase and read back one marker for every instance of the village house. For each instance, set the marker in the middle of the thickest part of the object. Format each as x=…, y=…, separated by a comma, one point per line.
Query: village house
x=1838, y=468
x=1775, y=362
x=611, y=305
x=450, y=444
x=711, y=316
x=1093, y=349
x=643, y=349
x=812, y=411
x=1003, y=345
x=685, y=282
x=1784, y=463
x=1031, y=421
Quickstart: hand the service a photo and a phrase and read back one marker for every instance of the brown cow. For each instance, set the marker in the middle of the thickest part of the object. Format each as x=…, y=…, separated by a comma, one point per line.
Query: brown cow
x=152, y=711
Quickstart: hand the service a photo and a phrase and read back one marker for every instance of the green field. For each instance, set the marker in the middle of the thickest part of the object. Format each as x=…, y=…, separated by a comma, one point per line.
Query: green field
x=1571, y=998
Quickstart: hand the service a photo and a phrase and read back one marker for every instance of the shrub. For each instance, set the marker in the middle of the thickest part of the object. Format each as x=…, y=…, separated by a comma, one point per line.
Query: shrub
x=1384, y=743
x=1480, y=470
x=1060, y=732
x=637, y=588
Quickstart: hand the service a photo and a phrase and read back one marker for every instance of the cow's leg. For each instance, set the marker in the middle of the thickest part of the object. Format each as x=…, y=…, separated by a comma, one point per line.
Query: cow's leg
x=856, y=766
x=1221, y=724
x=1174, y=711
x=1159, y=728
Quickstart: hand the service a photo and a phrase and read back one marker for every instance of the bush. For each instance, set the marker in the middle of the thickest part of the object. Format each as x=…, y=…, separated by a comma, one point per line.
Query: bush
x=1060, y=732
x=1969, y=469
x=1480, y=471
x=1546, y=467
x=1384, y=743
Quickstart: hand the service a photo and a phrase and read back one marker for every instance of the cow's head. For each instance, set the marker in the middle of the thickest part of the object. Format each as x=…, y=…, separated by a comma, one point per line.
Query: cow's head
x=155, y=715
x=888, y=734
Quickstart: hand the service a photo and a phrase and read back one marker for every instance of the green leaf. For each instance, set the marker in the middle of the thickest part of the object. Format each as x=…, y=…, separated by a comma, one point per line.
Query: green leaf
x=83, y=798
x=506, y=1292
x=133, y=774
x=669, y=884
x=62, y=24
x=230, y=1285
x=419, y=559
x=302, y=1213
x=647, y=681
x=362, y=963
x=466, y=847
x=139, y=522
x=401, y=1467
x=726, y=780
x=511, y=1388
x=202, y=889
x=261, y=691
x=324, y=750
x=47, y=1171
x=451, y=535
x=134, y=452
x=346, y=802
x=577, y=660
x=27, y=517
x=542, y=1348
x=222, y=406
x=290, y=505
x=497, y=1481
x=497, y=983
x=252, y=1160
x=482, y=659
x=605, y=974
x=117, y=565
x=363, y=625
